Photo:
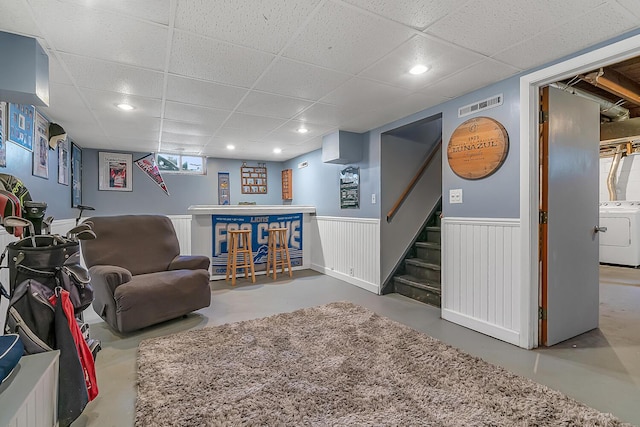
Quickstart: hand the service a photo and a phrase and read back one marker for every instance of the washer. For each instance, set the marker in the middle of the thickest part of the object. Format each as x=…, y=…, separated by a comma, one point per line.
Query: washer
x=620, y=244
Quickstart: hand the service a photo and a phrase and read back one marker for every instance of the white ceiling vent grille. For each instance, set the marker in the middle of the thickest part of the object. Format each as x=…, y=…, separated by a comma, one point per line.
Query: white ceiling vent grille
x=485, y=104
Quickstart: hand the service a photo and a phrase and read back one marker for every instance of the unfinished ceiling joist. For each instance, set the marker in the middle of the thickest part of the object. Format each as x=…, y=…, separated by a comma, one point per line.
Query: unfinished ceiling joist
x=615, y=83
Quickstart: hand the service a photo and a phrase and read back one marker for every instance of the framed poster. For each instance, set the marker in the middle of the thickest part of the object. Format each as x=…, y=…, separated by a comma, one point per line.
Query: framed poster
x=63, y=162
x=224, y=197
x=21, y=121
x=76, y=175
x=114, y=172
x=350, y=188
x=41, y=148
x=3, y=134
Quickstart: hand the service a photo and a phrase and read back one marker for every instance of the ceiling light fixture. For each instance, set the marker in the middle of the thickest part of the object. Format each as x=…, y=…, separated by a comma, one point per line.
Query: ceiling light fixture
x=303, y=130
x=125, y=107
x=231, y=147
x=277, y=150
x=419, y=69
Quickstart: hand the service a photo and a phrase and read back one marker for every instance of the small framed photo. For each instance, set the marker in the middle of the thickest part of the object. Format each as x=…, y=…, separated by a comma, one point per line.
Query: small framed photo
x=76, y=175
x=63, y=162
x=114, y=172
x=41, y=148
x=21, y=124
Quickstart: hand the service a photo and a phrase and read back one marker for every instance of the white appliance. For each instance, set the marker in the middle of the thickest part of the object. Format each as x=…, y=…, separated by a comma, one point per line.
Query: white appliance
x=620, y=244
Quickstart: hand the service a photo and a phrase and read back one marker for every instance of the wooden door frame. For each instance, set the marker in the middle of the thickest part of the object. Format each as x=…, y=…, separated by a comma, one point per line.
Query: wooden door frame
x=530, y=85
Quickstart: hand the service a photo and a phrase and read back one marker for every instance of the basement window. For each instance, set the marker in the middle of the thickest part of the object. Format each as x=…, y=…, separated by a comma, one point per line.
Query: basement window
x=179, y=163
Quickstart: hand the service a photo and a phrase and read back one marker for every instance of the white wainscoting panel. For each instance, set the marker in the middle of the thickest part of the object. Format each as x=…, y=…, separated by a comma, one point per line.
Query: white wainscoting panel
x=348, y=249
x=481, y=275
x=182, y=224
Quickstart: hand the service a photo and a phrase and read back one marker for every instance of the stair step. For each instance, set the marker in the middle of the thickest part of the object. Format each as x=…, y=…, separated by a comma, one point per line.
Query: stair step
x=418, y=262
x=433, y=228
x=418, y=289
x=425, y=271
x=429, y=245
x=433, y=233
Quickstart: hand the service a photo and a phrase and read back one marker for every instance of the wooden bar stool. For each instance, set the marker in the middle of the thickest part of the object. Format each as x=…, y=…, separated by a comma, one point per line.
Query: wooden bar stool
x=277, y=245
x=239, y=243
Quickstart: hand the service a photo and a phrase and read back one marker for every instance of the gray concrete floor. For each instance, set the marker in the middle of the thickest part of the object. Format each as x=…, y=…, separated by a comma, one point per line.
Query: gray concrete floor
x=600, y=368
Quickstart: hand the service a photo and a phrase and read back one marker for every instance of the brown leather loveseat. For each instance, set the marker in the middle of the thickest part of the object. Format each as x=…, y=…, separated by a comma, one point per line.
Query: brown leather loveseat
x=138, y=276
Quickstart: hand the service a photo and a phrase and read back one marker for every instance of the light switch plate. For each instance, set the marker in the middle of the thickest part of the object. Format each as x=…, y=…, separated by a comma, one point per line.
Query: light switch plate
x=373, y=198
x=455, y=195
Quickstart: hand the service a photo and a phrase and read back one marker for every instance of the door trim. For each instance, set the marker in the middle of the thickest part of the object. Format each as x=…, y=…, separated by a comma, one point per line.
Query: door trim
x=529, y=152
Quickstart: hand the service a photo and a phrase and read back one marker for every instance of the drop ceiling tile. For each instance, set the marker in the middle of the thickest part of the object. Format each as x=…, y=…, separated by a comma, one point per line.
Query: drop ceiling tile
x=204, y=58
x=189, y=128
x=265, y=104
x=632, y=6
x=287, y=77
x=195, y=114
x=148, y=10
x=442, y=60
x=471, y=78
x=76, y=29
x=170, y=147
x=596, y=26
x=360, y=95
x=104, y=100
x=491, y=29
x=57, y=74
x=236, y=136
x=414, y=13
x=322, y=114
x=251, y=122
x=15, y=18
x=184, y=138
x=128, y=126
x=411, y=104
x=101, y=75
x=288, y=134
x=66, y=106
x=128, y=144
x=265, y=25
x=203, y=93
x=345, y=39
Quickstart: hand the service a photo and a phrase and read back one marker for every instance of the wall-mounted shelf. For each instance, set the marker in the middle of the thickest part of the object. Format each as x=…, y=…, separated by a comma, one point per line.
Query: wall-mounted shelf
x=254, y=179
x=287, y=184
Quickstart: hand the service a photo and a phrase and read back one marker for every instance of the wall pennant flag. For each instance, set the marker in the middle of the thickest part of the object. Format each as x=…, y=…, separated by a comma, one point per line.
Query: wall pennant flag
x=149, y=166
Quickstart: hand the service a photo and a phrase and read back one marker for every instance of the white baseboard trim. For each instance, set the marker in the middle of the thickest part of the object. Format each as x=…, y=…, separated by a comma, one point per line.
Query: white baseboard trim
x=512, y=337
x=371, y=287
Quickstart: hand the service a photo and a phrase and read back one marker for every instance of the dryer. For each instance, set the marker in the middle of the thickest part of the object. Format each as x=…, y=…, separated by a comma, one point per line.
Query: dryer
x=620, y=244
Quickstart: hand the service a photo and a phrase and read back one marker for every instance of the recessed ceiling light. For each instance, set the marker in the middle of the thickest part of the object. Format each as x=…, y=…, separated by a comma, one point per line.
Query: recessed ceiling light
x=418, y=69
x=303, y=130
x=277, y=150
x=231, y=147
x=125, y=107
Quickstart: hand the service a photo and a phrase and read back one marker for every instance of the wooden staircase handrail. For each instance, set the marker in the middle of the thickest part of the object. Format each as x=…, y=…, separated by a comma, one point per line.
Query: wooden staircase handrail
x=413, y=182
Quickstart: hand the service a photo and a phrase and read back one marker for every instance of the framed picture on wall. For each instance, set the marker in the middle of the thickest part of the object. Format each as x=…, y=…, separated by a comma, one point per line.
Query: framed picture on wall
x=41, y=148
x=3, y=134
x=76, y=175
x=21, y=121
x=114, y=172
x=63, y=162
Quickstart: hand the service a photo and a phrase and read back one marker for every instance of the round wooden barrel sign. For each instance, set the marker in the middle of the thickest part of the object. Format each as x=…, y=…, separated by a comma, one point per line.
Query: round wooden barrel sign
x=477, y=148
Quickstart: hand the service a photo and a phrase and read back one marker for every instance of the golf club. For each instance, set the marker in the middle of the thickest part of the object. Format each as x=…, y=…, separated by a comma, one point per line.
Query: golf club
x=83, y=208
x=16, y=221
x=47, y=224
x=85, y=235
x=77, y=229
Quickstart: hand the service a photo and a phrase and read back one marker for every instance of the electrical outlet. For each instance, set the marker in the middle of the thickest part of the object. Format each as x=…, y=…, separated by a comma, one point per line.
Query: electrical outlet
x=455, y=196
x=373, y=198
x=351, y=271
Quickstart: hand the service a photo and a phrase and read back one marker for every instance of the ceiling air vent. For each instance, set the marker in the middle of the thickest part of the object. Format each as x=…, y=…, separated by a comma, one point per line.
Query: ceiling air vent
x=485, y=104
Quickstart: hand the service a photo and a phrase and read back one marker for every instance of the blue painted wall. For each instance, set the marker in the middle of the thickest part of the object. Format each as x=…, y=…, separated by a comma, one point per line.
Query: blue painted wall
x=184, y=190
x=57, y=196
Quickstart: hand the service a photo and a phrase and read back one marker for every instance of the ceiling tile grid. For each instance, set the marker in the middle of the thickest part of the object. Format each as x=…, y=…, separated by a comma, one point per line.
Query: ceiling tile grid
x=202, y=74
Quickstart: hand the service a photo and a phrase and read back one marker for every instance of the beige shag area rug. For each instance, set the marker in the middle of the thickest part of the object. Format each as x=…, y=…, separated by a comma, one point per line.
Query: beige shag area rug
x=335, y=365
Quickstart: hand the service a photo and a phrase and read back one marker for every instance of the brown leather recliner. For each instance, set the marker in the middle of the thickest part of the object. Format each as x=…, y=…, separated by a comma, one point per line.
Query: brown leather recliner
x=138, y=276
